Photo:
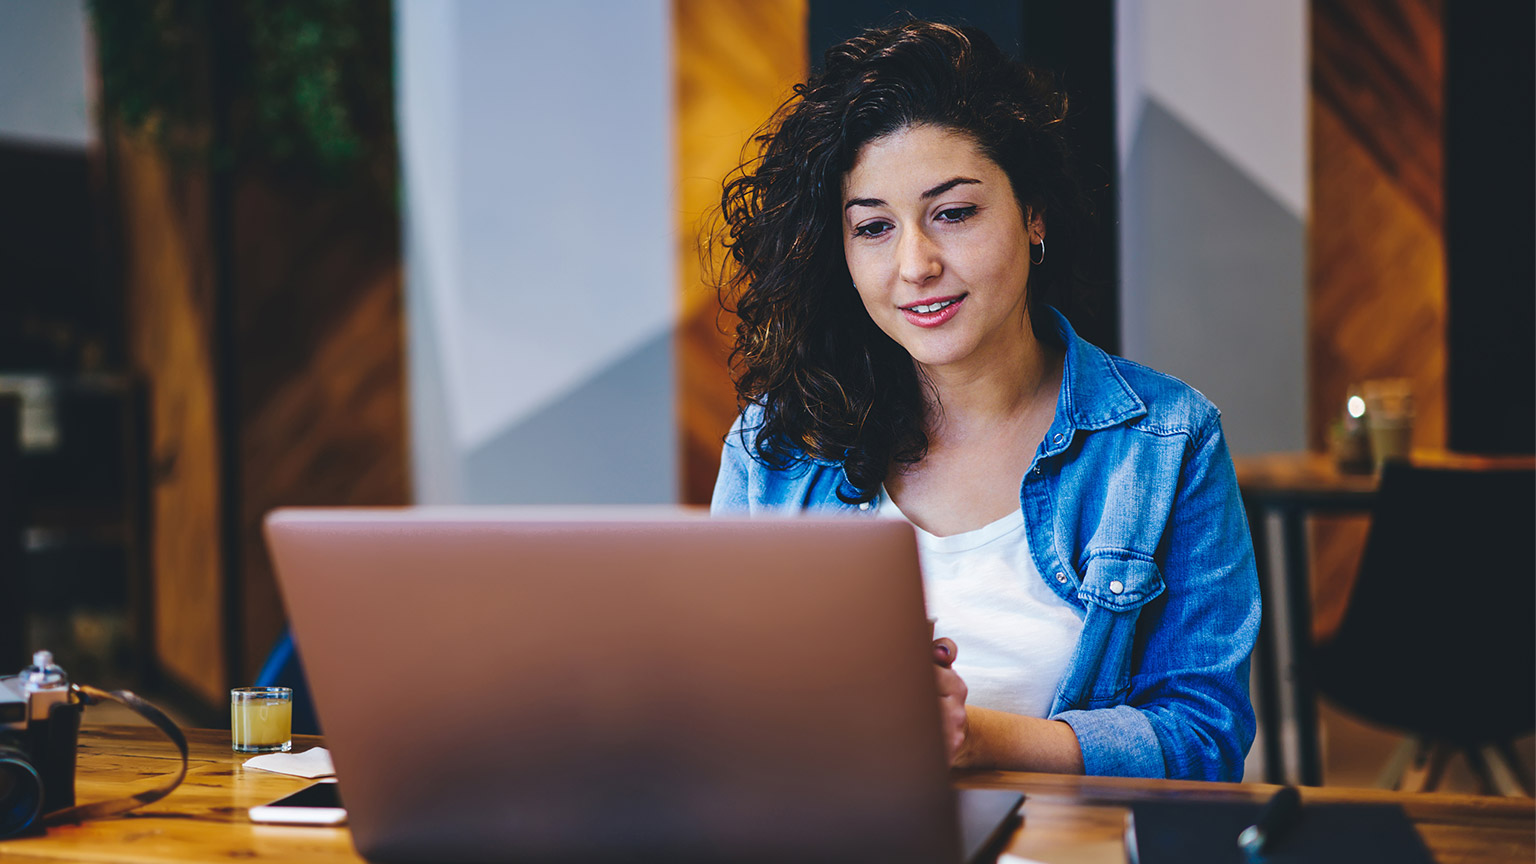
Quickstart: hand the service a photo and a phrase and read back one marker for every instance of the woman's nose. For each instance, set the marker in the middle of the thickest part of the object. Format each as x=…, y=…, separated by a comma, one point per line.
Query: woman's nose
x=918, y=257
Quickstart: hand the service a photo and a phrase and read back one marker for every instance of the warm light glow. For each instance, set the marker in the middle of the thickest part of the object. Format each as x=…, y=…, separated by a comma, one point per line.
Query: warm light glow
x=1356, y=407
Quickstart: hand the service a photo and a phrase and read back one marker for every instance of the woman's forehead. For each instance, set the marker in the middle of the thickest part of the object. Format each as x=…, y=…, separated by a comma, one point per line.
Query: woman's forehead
x=913, y=160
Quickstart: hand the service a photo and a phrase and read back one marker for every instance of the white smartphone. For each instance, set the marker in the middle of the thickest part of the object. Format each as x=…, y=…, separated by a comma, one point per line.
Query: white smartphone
x=319, y=804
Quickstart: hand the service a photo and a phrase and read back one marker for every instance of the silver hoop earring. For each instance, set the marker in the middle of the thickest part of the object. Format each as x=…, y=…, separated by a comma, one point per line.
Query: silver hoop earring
x=1042, y=253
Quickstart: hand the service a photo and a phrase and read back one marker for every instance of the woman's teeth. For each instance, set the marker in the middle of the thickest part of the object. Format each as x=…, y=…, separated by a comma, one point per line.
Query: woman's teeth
x=931, y=307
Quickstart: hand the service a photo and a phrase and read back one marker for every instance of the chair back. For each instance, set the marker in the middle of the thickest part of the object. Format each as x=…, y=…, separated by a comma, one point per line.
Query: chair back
x=1439, y=638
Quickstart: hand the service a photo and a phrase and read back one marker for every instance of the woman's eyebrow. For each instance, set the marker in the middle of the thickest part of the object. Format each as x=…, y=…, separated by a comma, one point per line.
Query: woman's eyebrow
x=931, y=193
x=946, y=186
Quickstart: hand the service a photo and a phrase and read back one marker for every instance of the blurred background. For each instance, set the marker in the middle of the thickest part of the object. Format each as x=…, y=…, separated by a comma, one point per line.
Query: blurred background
x=257, y=253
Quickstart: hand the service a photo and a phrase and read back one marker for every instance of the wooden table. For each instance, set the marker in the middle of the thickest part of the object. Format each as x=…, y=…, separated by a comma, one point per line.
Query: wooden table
x=1289, y=488
x=1067, y=820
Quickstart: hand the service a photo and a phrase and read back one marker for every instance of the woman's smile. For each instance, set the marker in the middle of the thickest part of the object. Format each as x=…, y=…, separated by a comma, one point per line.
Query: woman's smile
x=934, y=311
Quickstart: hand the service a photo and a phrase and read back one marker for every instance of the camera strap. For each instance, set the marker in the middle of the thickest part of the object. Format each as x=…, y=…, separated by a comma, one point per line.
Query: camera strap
x=90, y=696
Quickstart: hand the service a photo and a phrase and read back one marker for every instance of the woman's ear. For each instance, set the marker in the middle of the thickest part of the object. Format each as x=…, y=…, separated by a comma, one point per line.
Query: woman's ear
x=1035, y=219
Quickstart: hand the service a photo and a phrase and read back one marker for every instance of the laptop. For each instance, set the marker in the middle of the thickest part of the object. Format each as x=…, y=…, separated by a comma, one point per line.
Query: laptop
x=565, y=685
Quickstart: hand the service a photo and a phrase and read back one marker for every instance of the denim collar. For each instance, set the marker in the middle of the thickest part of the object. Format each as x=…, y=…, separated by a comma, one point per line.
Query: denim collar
x=1094, y=395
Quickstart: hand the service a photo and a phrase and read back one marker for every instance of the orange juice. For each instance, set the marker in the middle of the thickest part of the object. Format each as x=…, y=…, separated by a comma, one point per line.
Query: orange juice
x=261, y=719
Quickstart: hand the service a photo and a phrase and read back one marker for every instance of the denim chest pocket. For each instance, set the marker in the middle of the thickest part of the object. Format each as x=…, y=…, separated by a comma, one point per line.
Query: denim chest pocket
x=1114, y=589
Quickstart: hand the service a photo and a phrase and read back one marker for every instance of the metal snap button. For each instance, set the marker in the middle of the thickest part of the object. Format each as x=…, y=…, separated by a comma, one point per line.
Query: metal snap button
x=863, y=505
x=1116, y=587
x=1056, y=438
x=1061, y=577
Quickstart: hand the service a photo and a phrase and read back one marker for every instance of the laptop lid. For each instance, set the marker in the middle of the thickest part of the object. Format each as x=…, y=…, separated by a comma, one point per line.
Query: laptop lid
x=576, y=685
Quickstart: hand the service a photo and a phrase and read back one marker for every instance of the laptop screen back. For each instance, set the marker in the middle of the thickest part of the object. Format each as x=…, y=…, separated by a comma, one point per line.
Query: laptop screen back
x=559, y=685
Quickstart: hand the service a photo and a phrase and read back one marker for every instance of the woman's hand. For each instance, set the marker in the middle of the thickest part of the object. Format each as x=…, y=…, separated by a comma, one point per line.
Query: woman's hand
x=977, y=737
x=952, y=692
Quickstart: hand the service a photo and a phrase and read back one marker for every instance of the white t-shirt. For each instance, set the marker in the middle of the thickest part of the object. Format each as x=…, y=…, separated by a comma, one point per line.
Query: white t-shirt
x=1015, y=635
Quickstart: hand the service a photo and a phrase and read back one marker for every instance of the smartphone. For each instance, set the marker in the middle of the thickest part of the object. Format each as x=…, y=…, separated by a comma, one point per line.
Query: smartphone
x=319, y=804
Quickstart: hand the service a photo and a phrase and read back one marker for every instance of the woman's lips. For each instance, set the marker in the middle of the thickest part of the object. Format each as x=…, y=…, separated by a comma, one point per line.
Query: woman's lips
x=948, y=307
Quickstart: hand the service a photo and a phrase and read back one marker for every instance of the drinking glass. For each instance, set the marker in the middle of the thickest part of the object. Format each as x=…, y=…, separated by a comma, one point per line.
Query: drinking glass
x=261, y=719
x=1389, y=418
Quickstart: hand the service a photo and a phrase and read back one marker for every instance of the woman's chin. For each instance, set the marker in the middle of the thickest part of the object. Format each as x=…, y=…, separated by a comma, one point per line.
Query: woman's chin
x=940, y=350
x=936, y=360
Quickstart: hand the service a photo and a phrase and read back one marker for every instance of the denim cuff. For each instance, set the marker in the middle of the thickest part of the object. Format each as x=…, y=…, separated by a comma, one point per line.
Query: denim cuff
x=1116, y=742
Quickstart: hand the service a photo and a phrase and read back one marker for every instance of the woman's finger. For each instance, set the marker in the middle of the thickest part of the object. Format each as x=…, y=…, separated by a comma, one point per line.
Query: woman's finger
x=951, y=685
x=945, y=651
x=952, y=695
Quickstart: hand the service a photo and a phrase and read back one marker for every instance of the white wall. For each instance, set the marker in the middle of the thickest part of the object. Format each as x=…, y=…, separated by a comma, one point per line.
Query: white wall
x=1237, y=73
x=539, y=240
x=43, y=96
x=1213, y=157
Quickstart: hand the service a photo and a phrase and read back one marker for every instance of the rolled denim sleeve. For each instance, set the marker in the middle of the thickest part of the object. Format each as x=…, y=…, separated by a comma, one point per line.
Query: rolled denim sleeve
x=1116, y=742
x=1189, y=714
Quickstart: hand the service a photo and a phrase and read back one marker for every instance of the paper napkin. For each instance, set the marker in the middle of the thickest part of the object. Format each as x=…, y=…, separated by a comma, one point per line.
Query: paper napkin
x=312, y=763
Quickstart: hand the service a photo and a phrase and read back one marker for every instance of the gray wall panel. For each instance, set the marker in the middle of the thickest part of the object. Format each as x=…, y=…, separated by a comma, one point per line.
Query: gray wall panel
x=1214, y=290
x=612, y=440
x=43, y=73
x=539, y=243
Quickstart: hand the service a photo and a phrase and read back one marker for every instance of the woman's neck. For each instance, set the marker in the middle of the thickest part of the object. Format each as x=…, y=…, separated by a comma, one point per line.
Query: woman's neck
x=1009, y=385
x=984, y=422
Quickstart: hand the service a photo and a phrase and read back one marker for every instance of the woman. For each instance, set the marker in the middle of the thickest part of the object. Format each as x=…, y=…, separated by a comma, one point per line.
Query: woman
x=1082, y=541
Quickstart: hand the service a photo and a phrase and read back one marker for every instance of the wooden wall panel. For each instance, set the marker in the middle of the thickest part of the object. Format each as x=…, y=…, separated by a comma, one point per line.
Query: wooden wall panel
x=321, y=385
x=1376, y=287
x=265, y=314
x=167, y=280
x=1376, y=282
x=736, y=61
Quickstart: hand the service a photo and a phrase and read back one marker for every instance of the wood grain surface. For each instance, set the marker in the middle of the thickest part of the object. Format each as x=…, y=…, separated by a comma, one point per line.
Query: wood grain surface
x=1316, y=474
x=736, y=61
x=1376, y=291
x=1067, y=820
x=167, y=275
x=203, y=820
x=321, y=370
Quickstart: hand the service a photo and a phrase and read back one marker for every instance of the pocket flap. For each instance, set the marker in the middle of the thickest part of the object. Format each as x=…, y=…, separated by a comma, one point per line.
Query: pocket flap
x=1120, y=583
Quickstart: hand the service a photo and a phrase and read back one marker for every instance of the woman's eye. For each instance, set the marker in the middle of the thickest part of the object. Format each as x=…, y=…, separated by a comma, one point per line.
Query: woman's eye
x=871, y=229
x=956, y=214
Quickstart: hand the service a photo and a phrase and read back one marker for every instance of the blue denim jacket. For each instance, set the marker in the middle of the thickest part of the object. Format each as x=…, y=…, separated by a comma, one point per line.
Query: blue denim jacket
x=1134, y=519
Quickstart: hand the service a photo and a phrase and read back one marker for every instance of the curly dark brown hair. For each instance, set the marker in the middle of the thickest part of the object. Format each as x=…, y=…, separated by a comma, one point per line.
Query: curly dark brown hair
x=831, y=385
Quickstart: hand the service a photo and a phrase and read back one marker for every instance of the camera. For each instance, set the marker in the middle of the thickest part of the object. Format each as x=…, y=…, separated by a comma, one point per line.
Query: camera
x=39, y=724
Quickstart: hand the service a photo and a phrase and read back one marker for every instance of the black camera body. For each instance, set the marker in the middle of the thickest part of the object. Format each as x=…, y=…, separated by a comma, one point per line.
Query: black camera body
x=39, y=727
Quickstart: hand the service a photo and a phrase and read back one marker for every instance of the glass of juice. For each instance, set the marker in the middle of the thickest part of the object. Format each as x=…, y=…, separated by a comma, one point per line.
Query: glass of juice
x=1389, y=418
x=261, y=719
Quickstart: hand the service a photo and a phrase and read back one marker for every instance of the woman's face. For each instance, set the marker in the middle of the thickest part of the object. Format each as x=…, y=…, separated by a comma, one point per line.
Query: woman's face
x=938, y=247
